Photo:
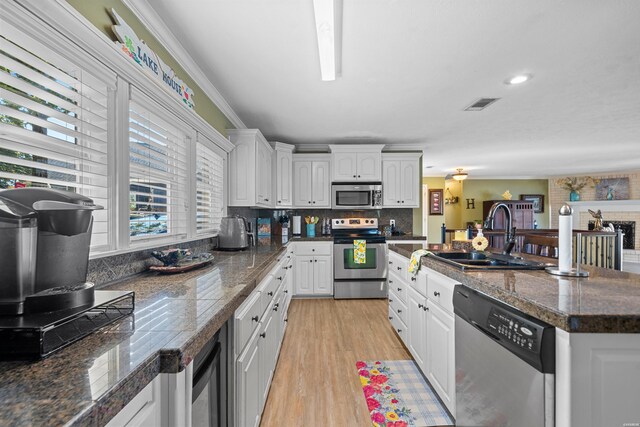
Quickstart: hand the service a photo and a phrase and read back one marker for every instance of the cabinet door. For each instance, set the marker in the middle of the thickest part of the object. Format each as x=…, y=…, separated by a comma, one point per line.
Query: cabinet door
x=284, y=196
x=321, y=182
x=248, y=383
x=391, y=182
x=410, y=183
x=345, y=167
x=322, y=275
x=441, y=354
x=267, y=348
x=369, y=166
x=303, y=273
x=263, y=167
x=242, y=175
x=417, y=327
x=302, y=184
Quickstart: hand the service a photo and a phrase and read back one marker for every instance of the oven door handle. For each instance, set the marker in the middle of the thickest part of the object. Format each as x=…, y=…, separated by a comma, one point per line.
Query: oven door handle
x=201, y=378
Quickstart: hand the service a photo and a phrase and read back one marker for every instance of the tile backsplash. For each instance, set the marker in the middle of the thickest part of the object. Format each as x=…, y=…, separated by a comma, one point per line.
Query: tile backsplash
x=403, y=217
x=116, y=267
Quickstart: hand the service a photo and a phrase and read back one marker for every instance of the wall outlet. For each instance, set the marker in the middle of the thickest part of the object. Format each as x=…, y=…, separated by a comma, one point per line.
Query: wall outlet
x=392, y=222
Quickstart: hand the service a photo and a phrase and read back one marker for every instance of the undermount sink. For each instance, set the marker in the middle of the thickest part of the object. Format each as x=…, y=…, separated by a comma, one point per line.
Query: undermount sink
x=474, y=261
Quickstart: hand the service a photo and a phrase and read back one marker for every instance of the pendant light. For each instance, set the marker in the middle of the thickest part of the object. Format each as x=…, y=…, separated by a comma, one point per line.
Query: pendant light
x=459, y=175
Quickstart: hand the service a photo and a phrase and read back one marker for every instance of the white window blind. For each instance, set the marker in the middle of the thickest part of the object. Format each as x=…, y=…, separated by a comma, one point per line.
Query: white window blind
x=53, y=124
x=209, y=187
x=158, y=172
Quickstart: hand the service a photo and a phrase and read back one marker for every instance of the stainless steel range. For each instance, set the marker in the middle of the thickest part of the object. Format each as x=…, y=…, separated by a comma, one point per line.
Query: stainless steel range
x=359, y=271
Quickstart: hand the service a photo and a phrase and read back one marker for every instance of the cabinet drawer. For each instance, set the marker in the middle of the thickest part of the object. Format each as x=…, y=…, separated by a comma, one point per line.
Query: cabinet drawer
x=419, y=282
x=246, y=320
x=398, y=264
x=440, y=289
x=398, y=287
x=314, y=248
x=399, y=308
x=267, y=289
x=398, y=325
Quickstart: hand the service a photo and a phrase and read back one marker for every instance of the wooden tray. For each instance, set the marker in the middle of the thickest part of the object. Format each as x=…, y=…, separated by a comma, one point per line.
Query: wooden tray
x=185, y=265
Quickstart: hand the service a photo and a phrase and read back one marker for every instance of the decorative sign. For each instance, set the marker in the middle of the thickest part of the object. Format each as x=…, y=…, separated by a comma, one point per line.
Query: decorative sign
x=137, y=50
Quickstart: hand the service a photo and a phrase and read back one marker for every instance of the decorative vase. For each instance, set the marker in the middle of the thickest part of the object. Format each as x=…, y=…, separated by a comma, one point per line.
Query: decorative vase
x=574, y=196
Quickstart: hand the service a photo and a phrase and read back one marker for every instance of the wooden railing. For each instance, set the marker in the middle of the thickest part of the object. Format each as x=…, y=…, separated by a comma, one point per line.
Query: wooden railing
x=597, y=248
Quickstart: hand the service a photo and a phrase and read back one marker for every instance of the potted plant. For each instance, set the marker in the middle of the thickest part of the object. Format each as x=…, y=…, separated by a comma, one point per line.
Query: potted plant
x=575, y=184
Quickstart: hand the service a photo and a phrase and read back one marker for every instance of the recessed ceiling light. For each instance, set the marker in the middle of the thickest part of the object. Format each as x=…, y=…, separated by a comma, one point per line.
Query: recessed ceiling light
x=519, y=79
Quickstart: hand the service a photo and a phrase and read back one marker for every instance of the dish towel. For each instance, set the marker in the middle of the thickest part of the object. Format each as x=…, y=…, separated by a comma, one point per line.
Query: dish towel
x=360, y=251
x=414, y=263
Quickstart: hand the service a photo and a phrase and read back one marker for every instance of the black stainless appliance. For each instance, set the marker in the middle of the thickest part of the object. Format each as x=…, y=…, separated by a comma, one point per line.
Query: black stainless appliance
x=209, y=394
x=45, y=301
x=505, y=364
x=368, y=277
x=356, y=195
x=234, y=233
x=64, y=222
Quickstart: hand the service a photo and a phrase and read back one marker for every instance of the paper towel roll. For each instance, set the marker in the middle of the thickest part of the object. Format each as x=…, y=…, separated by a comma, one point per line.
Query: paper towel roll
x=565, y=239
x=297, y=220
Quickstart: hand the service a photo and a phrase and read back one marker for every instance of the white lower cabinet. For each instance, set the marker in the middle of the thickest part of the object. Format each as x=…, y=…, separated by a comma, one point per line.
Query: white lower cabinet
x=313, y=268
x=427, y=326
x=164, y=402
x=248, y=388
x=322, y=275
x=417, y=321
x=440, y=367
x=142, y=410
x=262, y=317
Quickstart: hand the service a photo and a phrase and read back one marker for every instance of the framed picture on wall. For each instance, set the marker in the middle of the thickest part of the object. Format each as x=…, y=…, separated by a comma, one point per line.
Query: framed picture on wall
x=436, y=202
x=536, y=199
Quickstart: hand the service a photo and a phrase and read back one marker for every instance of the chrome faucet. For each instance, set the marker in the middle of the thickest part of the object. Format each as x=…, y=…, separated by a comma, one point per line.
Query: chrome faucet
x=509, y=233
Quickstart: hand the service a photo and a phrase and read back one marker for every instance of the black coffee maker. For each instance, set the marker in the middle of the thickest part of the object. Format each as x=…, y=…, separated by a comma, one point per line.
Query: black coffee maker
x=44, y=256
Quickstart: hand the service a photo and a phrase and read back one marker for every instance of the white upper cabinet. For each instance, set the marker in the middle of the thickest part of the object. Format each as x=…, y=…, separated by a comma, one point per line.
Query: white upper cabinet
x=283, y=175
x=311, y=182
x=250, y=169
x=356, y=163
x=401, y=180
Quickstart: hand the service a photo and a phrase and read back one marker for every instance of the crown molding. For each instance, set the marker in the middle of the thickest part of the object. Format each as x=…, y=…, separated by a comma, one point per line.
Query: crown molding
x=157, y=27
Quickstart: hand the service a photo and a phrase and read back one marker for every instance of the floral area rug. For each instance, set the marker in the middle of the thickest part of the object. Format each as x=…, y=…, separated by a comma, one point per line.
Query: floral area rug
x=398, y=396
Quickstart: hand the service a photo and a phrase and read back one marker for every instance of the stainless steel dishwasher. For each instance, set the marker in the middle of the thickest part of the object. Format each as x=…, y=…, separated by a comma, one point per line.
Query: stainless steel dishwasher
x=505, y=364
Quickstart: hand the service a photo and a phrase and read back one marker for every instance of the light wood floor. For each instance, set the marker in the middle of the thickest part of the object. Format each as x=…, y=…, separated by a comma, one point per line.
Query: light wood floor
x=316, y=382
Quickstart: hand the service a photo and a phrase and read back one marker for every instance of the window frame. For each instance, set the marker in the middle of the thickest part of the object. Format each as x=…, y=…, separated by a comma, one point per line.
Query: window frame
x=65, y=31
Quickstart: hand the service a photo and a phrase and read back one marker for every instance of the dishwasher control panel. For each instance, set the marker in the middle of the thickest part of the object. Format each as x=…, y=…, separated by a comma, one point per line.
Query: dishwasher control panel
x=515, y=330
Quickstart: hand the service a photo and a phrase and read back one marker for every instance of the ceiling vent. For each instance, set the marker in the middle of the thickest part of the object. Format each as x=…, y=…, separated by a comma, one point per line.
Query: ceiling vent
x=481, y=104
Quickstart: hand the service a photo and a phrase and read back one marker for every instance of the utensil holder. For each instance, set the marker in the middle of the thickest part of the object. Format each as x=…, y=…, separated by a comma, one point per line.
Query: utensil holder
x=311, y=230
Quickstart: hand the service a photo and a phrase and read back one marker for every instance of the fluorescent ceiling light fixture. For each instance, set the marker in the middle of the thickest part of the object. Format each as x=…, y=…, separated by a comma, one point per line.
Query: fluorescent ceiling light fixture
x=460, y=176
x=324, y=12
x=516, y=80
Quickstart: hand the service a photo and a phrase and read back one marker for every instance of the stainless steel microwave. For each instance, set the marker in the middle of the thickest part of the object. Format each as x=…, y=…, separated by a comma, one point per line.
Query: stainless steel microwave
x=355, y=196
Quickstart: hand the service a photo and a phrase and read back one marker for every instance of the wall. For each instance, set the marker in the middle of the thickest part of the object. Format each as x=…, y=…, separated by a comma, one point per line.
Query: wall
x=434, y=222
x=492, y=189
x=97, y=12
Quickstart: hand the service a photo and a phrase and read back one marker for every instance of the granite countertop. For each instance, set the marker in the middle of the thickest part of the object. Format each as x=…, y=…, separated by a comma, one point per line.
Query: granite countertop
x=90, y=381
x=608, y=301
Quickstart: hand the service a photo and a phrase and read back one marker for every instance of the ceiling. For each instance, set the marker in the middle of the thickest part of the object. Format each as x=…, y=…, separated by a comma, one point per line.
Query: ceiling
x=410, y=67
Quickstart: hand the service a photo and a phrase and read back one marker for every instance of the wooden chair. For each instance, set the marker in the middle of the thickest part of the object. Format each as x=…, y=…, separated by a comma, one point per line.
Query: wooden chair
x=541, y=245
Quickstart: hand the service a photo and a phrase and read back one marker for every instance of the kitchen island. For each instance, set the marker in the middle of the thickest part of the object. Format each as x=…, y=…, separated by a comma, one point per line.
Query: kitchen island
x=90, y=381
x=597, y=335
